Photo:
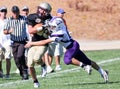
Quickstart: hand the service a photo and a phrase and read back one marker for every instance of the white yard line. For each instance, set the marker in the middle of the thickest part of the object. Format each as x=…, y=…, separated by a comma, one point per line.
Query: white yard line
x=64, y=71
x=110, y=60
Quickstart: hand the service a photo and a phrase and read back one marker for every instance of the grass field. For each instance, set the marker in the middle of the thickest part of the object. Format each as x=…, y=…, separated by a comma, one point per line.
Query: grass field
x=72, y=77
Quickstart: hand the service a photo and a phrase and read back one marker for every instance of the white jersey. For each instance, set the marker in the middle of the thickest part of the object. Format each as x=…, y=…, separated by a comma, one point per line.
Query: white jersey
x=4, y=39
x=60, y=33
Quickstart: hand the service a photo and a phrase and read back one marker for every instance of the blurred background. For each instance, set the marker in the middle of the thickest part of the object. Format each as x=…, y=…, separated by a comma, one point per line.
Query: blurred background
x=86, y=19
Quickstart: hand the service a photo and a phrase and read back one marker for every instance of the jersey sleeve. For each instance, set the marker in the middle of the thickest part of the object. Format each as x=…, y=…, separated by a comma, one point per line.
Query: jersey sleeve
x=33, y=19
x=53, y=38
x=30, y=20
x=56, y=38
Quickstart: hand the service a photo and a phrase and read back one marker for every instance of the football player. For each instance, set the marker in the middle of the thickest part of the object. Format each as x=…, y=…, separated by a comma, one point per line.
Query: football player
x=38, y=32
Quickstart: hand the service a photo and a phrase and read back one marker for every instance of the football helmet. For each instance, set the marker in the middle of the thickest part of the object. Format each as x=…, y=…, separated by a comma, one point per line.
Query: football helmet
x=56, y=24
x=45, y=6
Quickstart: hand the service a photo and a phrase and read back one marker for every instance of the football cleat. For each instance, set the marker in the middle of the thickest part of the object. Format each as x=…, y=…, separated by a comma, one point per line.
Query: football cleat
x=88, y=68
x=58, y=67
x=36, y=85
x=25, y=75
x=44, y=72
x=7, y=76
x=105, y=76
x=49, y=69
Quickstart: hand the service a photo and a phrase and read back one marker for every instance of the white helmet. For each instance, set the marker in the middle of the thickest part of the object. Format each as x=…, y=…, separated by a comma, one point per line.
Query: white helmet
x=46, y=6
x=57, y=23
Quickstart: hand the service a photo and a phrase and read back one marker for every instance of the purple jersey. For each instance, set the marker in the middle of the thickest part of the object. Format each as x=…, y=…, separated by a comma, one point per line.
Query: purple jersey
x=60, y=34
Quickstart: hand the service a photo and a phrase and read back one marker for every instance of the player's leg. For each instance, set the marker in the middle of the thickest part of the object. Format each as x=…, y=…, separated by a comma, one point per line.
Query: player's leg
x=68, y=59
x=22, y=62
x=71, y=53
x=8, y=56
x=31, y=64
x=1, y=57
x=33, y=75
x=83, y=58
x=8, y=67
x=49, y=58
x=38, y=58
x=104, y=73
x=58, y=53
x=48, y=62
x=57, y=62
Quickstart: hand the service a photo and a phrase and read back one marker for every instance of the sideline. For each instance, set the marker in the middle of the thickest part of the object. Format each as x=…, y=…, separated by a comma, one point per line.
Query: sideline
x=99, y=45
x=64, y=71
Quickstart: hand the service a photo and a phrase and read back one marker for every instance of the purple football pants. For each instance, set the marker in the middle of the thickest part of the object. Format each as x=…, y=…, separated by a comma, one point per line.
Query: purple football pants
x=73, y=51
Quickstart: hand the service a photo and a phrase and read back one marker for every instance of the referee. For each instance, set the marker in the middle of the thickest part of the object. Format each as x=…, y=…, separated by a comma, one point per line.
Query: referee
x=16, y=27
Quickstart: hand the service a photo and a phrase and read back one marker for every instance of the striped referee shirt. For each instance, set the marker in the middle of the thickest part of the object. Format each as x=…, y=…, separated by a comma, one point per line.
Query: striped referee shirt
x=19, y=28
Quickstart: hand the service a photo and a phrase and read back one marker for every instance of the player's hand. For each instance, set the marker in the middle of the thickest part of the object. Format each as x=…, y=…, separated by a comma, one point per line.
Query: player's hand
x=28, y=45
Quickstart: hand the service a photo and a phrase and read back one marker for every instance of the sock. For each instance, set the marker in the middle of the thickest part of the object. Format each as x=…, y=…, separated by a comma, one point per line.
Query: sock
x=43, y=65
x=82, y=65
x=36, y=81
x=100, y=70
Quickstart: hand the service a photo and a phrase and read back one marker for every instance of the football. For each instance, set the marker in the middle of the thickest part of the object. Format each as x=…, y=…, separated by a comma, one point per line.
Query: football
x=39, y=26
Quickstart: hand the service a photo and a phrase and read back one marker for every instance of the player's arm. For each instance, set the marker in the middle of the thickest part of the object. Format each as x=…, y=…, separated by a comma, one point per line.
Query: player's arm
x=38, y=43
x=33, y=26
x=34, y=29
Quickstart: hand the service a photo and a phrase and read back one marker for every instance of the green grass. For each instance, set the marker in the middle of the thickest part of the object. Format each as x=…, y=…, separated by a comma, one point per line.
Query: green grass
x=72, y=77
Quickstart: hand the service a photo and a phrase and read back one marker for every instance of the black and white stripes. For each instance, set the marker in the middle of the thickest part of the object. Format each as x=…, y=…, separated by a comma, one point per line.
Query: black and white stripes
x=19, y=28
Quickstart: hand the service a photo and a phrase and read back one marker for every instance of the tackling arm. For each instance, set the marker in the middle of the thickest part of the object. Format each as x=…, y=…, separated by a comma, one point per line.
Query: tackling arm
x=38, y=43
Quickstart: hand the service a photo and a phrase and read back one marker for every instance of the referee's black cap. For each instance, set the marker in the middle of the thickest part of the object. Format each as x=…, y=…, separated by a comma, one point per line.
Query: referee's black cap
x=15, y=9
